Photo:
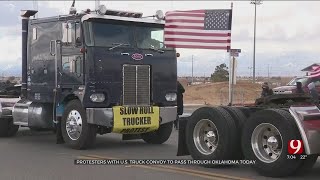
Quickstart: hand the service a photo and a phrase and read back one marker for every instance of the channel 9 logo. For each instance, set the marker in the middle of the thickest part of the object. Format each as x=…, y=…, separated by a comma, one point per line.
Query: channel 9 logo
x=295, y=147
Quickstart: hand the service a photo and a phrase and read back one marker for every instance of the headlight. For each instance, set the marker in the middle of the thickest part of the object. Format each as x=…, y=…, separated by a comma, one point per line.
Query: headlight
x=171, y=96
x=97, y=97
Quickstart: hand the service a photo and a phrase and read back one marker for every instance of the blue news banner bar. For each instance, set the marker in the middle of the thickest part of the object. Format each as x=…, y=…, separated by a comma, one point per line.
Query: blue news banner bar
x=161, y=162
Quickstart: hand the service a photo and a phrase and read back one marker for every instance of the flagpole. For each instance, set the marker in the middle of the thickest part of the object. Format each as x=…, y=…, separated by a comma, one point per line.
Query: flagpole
x=230, y=65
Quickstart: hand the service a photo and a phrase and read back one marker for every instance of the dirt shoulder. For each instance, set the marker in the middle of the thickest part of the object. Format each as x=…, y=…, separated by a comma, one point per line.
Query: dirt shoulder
x=217, y=93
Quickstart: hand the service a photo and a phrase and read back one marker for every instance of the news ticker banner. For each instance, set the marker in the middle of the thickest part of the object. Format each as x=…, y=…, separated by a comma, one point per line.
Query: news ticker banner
x=161, y=162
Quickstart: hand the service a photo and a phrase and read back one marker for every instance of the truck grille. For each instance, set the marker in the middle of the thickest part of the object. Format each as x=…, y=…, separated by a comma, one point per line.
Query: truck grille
x=136, y=85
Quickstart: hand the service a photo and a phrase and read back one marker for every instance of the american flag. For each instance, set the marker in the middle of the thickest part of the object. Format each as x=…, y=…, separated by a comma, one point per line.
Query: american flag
x=315, y=71
x=198, y=29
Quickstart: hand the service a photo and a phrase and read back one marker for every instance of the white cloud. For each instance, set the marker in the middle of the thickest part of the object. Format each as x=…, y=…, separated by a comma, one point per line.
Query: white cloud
x=10, y=6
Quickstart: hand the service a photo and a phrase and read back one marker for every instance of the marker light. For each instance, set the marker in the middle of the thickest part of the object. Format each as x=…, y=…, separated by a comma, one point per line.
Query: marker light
x=102, y=10
x=159, y=15
x=123, y=13
x=83, y=50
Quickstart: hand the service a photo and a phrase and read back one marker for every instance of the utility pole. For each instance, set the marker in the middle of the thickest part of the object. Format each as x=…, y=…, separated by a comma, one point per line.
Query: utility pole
x=192, y=72
x=268, y=73
x=232, y=79
x=255, y=2
x=250, y=71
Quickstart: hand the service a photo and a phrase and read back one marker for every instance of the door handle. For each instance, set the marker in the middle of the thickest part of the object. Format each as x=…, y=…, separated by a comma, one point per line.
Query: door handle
x=52, y=44
x=148, y=55
x=125, y=54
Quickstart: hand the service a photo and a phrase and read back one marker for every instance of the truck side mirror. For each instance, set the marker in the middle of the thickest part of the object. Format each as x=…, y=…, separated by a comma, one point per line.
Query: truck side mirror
x=77, y=34
x=67, y=33
x=71, y=33
x=75, y=65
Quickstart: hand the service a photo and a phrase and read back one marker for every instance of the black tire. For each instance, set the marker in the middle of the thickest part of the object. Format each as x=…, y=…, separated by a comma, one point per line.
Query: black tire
x=159, y=136
x=285, y=124
x=237, y=115
x=239, y=118
x=227, y=134
x=306, y=165
x=7, y=128
x=89, y=131
x=246, y=111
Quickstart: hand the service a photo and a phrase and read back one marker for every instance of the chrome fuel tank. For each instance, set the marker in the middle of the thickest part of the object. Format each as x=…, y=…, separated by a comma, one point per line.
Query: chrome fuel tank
x=28, y=113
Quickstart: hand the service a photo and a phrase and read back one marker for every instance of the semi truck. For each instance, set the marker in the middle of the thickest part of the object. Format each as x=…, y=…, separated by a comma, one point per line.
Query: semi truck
x=94, y=72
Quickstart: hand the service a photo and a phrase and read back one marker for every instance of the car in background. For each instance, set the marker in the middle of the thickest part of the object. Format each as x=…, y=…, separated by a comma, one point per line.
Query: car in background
x=291, y=87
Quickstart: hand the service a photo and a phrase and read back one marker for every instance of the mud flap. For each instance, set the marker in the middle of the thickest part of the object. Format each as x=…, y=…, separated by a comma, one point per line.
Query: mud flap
x=59, y=137
x=308, y=122
x=182, y=145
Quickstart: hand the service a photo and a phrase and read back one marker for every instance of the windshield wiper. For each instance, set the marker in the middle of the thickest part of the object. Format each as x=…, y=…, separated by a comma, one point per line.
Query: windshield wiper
x=158, y=50
x=118, y=45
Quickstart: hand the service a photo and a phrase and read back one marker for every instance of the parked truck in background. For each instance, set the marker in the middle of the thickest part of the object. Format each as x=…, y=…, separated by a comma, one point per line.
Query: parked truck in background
x=291, y=87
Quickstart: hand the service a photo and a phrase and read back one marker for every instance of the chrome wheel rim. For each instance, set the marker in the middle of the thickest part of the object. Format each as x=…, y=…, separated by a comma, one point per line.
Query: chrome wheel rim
x=266, y=142
x=205, y=136
x=74, y=125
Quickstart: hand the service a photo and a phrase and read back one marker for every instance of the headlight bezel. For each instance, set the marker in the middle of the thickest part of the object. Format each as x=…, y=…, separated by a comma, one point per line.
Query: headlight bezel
x=97, y=97
x=171, y=96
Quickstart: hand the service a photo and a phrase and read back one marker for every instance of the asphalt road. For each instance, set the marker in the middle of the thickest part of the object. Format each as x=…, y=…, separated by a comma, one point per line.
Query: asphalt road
x=34, y=155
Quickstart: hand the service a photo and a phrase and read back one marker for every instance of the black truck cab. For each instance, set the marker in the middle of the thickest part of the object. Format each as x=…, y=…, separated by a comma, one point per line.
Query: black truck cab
x=98, y=73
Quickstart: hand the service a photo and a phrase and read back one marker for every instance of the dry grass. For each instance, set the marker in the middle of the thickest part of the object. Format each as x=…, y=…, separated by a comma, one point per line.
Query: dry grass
x=217, y=93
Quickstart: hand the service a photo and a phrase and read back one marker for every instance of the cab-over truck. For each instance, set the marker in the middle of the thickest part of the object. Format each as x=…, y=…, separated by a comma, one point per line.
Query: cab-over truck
x=94, y=72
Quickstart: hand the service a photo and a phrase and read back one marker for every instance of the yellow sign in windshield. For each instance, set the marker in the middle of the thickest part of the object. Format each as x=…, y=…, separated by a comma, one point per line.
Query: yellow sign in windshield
x=135, y=120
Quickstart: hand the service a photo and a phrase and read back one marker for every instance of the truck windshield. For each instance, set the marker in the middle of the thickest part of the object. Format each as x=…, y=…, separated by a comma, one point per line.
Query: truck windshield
x=149, y=37
x=111, y=33
x=107, y=35
x=294, y=81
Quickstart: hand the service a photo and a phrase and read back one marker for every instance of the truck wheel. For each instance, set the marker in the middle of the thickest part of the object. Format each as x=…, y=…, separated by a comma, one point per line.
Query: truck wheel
x=245, y=111
x=307, y=164
x=211, y=134
x=239, y=118
x=76, y=132
x=7, y=128
x=264, y=139
x=159, y=136
x=237, y=115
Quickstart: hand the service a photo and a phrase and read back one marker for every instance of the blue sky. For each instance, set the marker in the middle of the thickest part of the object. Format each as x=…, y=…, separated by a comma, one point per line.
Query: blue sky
x=287, y=33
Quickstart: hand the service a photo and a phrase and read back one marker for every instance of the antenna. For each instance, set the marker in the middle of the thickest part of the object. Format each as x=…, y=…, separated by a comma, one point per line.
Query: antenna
x=73, y=10
x=74, y=1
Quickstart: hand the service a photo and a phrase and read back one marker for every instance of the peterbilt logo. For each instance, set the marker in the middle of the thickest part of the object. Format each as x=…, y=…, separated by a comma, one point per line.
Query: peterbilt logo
x=137, y=56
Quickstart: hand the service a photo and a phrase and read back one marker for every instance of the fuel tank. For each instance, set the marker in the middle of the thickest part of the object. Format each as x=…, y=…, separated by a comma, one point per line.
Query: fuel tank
x=31, y=114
